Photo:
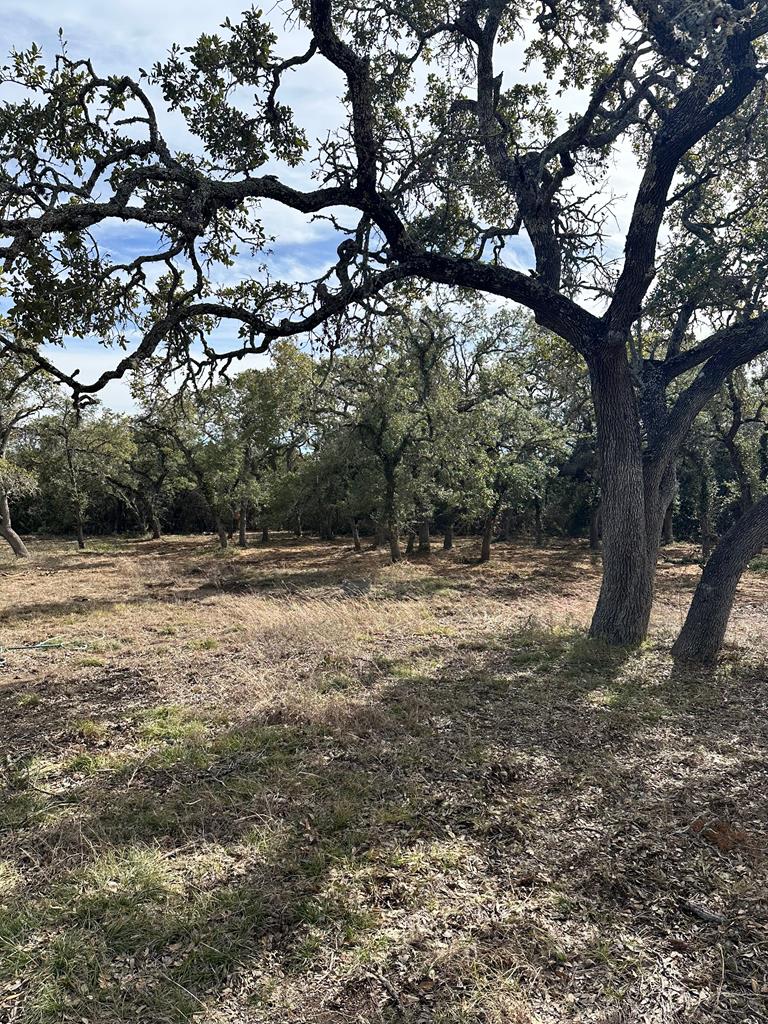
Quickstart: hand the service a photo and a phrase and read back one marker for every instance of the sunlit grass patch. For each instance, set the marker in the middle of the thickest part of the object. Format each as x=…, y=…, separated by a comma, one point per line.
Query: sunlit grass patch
x=89, y=729
x=171, y=723
x=28, y=699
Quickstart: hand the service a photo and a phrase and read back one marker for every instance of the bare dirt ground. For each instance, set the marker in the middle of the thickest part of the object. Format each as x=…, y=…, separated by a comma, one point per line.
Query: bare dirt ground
x=295, y=784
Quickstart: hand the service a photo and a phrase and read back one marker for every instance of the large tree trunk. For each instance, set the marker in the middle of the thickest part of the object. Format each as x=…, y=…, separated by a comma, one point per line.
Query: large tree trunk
x=667, y=533
x=624, y=606
x=410, y=543
x=154, y=522
x=424, y=544
x=448, y=536
x=704, y=630
x=7, y=531
x=265, y=533
x=485, y=547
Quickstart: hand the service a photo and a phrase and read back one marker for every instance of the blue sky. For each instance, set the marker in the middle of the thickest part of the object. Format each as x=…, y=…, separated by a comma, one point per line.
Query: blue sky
x=123, y=35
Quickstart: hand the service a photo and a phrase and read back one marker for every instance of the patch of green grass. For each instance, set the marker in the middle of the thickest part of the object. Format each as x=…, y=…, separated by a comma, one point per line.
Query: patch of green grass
x=171, y=723
x=335, y=684
x=208, y=644
x=28, y=699
x=91, y=662
x=89, y=729
x=18, y=809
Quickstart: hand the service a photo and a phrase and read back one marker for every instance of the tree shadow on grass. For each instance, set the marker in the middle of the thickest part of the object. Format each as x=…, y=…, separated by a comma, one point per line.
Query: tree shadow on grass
x=512, y=832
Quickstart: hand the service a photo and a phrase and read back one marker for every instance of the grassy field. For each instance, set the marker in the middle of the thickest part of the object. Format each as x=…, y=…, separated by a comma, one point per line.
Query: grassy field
x=295, y=784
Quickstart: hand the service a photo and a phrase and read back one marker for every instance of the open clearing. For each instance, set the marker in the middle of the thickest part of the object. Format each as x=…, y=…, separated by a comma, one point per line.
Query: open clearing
x=294, y=784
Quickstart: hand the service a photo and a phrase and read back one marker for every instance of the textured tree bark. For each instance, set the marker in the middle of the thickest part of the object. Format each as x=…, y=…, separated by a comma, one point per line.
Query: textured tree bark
x=704, y=629
x=667, y=533
x=242, y=525
x=448, y=536
x=410, y=543
x=7, y=531
x=626, y=594
x=485, y=547
x=222, y=532
x=424, y=542
x=265, y=533
x=154, y=521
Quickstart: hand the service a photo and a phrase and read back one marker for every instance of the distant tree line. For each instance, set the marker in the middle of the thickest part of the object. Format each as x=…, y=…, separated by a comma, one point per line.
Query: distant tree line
x=432, y=424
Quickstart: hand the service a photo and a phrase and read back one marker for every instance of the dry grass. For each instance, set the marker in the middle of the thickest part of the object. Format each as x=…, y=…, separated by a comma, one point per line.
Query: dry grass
x=296, y=784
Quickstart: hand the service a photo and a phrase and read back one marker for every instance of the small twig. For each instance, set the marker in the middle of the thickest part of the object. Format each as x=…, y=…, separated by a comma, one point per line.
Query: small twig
x=722, y=975
x=702, y=913
x=389, y=988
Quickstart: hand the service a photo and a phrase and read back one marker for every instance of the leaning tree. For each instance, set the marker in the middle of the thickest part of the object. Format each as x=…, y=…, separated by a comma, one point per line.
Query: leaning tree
x=444, y=168
x=25, y=391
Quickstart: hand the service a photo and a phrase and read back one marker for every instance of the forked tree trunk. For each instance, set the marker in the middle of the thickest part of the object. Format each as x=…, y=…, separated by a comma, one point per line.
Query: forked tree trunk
x=242, y=526
x=424, y=543
x=624, y=605
x=485, y=547
x=7, y=531
x=704, y=630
